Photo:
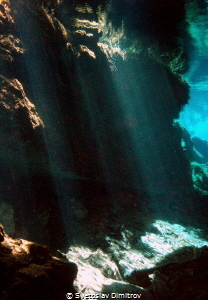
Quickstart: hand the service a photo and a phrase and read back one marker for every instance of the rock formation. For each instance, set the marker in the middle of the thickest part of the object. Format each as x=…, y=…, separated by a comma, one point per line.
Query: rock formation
x=29, y=270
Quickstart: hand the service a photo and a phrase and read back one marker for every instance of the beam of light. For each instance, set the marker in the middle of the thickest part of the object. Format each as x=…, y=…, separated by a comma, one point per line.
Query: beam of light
x=85, y=27
x=92, y=111
x=45, y=96
x=139, y=127
x=143, y=124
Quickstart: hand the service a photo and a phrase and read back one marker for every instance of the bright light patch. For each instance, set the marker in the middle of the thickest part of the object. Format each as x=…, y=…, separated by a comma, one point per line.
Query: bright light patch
x=194, y=117
x=111, y=38
x=91, y=266
x=110, y=50
x=171, y=237
x=201, y=129
x=172, y=243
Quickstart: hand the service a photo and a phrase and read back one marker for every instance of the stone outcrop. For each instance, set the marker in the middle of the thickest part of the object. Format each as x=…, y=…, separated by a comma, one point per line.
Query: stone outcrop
x=15, y=102
x=200, y=177
x=29, y=270
x=181, y=281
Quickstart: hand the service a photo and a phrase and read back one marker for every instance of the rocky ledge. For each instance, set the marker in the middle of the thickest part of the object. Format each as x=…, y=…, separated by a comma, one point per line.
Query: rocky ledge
x=29, y=271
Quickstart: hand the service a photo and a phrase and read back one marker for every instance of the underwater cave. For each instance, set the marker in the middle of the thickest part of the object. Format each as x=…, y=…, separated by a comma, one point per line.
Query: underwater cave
x=104, y=149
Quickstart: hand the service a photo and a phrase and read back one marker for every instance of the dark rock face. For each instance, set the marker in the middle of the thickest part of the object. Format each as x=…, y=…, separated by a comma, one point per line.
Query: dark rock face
x=29, y=270
x=181, y=281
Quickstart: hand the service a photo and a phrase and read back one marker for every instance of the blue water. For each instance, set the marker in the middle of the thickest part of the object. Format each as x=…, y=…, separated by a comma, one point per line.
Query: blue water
x=194, y=116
